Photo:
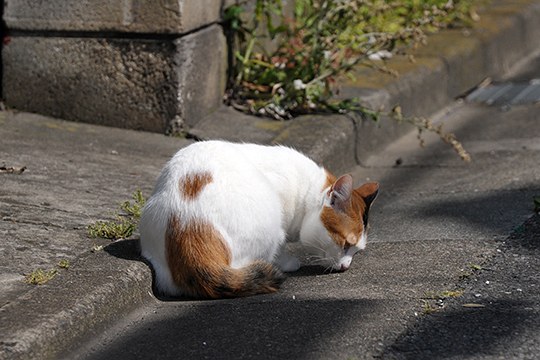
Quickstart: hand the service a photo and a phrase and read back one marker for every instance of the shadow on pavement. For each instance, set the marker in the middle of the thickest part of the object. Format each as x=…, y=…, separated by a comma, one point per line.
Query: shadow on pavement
x=125, y=249
x=241, y=329
x=508, y=313
x=464, y=332
x=492, y=212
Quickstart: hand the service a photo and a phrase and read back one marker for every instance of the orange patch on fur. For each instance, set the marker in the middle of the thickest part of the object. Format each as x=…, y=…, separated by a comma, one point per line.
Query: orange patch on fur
x=196, y=254
x=193, y=184
x=345, y=227
x=330, y=180
x=199, y=261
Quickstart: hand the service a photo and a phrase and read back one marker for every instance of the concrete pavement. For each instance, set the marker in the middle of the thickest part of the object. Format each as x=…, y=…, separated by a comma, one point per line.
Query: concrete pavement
x=435, y=217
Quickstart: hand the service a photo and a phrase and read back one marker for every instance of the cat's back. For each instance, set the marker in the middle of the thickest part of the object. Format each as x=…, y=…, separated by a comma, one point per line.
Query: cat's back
x=202, y=159
x=232, y=160
x=213, y=156
x=205, y=154
x=212, y=180
x=211, y=170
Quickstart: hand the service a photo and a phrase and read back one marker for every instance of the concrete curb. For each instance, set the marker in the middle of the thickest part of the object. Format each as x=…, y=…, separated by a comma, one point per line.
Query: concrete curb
x=507, y=32
x=93, y=292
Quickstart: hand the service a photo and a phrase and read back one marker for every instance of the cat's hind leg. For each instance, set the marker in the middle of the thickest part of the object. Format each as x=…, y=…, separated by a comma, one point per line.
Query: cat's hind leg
x=286, y=262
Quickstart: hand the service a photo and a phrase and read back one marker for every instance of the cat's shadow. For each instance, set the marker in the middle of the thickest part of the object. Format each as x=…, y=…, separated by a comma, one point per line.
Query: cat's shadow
x=129, y=249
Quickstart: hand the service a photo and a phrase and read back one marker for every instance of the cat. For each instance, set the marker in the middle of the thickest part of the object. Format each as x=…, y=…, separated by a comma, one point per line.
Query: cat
x=220, y=214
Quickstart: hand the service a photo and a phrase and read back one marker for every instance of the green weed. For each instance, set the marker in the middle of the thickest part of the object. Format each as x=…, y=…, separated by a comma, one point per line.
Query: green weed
x=40, y=276
x=434, y=301
x=63, y=264
x=442, y=295
x=134, y=209
x=124, y=223
x=465, y=275
x=322, y=42
x=120, y=228
x=429, y=308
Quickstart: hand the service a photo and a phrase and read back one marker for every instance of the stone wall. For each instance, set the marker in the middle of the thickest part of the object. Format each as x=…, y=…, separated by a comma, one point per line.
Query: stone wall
x=147, y=65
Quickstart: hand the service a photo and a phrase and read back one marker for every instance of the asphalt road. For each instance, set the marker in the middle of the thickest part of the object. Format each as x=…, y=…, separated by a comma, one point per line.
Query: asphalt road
x=451, y=269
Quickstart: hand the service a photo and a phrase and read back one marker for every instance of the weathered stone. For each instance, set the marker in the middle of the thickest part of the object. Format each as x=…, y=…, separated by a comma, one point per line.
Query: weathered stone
x=325, y=138
x=201, y=67
x=139, y=84
x=465, y=61
x=516, y=32
x=165, y=16
x=228, y=124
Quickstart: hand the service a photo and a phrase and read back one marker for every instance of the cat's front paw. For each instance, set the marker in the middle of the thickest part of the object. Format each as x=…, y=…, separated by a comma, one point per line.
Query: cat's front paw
x=288, y=263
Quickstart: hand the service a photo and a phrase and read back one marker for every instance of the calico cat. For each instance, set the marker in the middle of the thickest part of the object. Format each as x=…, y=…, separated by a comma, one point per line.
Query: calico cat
x=220, y=214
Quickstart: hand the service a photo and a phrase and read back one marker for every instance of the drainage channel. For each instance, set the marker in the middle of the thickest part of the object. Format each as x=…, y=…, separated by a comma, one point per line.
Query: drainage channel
x=510, y=93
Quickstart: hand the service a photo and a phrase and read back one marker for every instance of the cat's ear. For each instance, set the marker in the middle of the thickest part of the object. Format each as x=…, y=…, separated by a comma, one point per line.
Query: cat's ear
x=341, y=191
x=368, y=192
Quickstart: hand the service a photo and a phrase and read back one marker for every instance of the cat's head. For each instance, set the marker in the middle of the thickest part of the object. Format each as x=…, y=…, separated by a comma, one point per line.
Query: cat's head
x=339, y=229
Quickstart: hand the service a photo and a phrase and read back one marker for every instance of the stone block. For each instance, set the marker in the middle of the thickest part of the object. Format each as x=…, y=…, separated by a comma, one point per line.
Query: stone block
x=152, y=85
x=465, y=60
x=509, y=34
x=164, y=16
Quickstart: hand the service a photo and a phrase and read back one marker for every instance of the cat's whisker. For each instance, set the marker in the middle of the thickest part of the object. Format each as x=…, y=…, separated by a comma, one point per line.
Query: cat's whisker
x=328, y=269
x=316, y=256
x=317, y=261
x=321, y=261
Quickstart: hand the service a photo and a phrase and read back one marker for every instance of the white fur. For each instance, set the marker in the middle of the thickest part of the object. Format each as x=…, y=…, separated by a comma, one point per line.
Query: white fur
x=259, y=198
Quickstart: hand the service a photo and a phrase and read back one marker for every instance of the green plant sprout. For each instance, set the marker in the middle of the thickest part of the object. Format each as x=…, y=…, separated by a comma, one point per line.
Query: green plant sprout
x=40, y=276
x=63, y=264
x=124, y=224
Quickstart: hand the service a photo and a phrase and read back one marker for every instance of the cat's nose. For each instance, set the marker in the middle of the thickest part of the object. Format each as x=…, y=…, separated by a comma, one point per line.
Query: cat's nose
x=344, y=267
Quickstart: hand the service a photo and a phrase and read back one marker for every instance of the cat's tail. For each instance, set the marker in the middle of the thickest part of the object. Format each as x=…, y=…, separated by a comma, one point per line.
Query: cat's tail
x=199, y=262
x=256, y=278
x=225, y=282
